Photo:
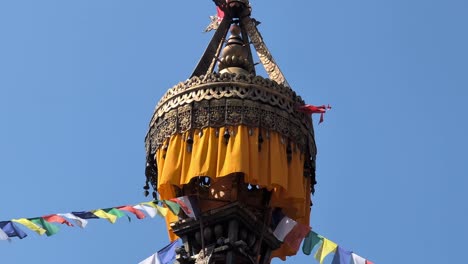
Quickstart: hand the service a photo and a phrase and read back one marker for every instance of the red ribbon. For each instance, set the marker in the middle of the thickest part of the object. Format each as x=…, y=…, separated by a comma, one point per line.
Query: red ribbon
x=312, y=109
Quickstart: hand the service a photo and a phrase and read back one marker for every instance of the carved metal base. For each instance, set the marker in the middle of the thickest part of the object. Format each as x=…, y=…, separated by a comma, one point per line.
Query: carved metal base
x=230, y=234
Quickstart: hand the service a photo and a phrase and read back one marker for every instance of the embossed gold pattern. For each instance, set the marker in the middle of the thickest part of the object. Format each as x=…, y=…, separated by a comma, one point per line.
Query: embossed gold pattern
x=220, y=100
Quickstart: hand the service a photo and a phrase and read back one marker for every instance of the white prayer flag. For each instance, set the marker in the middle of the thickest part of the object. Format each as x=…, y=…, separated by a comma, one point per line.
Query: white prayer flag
x=3, y=235
x=357, y=259
x=153, y=259
x=79, y=221
x=151, y=211
x=284, y=227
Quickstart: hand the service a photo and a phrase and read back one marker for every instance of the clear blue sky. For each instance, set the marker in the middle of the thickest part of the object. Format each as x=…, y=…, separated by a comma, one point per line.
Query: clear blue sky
x=79, y=81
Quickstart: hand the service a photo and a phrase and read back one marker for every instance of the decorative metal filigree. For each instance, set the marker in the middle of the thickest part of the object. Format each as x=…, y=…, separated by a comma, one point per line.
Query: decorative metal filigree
x=263, y=53
x=223, y=100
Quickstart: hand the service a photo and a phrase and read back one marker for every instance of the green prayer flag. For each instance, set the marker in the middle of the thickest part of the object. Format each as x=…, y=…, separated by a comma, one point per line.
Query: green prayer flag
x=173, y=206
x=311, y=240
x=50, y=228
x=115, y=212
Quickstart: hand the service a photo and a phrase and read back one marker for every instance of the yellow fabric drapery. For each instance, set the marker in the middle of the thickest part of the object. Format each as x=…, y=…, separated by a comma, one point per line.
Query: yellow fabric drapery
x=212, y=157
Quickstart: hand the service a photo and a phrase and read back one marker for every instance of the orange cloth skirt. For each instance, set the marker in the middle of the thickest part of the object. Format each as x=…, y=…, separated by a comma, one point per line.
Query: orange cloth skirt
x=212, y=157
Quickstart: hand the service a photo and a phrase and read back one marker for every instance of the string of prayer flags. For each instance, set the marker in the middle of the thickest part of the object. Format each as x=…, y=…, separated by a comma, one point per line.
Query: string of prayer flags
x=287, y=230
x=45, y=224
x=325, y=249
x=12, y=230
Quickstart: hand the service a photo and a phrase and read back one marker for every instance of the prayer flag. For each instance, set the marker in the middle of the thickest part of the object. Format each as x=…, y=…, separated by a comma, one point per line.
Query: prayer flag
x=30, y=225
x=139, y=214
x=357, y=259
x=56, y=219
x=342, y=256
x=166, y=255
x=118, y=213
x=294, y=238
x=85, y=215
x=162, y=211
x=153, y=259
x=104, y=215
x=173, y=206
x=311, y=240
x=151, y=211
x=79, y=221
x=12, y=230
x=188, y=205
x=284, y=227
x=115, y=212
x=369, y=262
x=3, y=235
x=50, y=228
x=325, y=249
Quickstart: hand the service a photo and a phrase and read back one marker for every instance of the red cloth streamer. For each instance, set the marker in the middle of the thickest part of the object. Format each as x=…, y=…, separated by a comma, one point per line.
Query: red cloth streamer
x=312, y=109
x=139, y=214
x=56, y=219
x=220, y=13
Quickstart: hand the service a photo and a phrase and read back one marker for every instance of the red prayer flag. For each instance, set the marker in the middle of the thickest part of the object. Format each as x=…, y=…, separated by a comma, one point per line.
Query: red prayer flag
x=139, y=214
x=312, y=109
x=56, y=219
x=294, y=238
x=184, y=207
x=369, y=262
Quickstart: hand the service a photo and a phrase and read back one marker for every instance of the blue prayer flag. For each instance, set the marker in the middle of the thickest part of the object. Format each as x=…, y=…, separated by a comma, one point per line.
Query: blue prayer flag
x=85, y=215
x=342, y=256
x=167, y=254
x=12, y=230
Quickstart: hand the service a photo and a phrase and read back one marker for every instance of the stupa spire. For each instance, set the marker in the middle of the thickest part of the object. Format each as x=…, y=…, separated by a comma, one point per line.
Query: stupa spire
x=234, y=145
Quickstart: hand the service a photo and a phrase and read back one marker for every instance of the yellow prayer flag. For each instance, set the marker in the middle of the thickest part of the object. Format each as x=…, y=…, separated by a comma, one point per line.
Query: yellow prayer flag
x=151, y=204
x=162, y=211
x=30, y=225
x=326, y=248
x=102, y=214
